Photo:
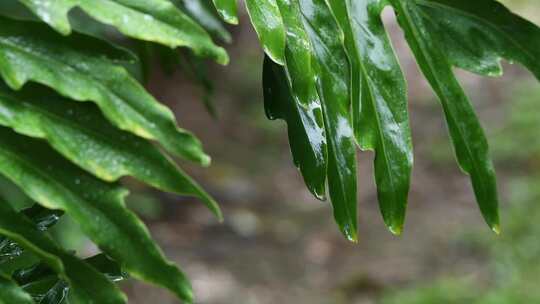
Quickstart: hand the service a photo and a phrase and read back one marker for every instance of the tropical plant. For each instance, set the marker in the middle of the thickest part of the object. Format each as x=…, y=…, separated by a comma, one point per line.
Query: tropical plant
x=75, y=118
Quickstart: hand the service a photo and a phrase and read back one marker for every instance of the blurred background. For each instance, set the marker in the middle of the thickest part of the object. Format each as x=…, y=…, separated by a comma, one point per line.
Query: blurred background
x=280, y=245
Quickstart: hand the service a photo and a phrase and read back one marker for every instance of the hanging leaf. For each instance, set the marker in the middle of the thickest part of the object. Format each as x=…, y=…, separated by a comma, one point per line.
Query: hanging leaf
x=381, y=120
x=333, y=80
x=77, y=67
x=306, y=136
x=475, y=35
x=469, y=141
x=158, y=21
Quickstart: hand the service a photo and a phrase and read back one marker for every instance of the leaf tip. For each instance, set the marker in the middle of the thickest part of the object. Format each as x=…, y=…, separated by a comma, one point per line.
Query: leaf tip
x=396, y=230
x=350, y=234
x=496, y=228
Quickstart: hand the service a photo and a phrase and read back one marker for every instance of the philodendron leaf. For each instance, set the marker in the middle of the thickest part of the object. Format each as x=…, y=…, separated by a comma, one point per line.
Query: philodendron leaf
x=266, y=20
x=228, y=10
x=80, y=133
x=469, y=141
x=333, y=78
x=293, y=97
x=97, y=206
x=11, y=293
x=77, y=67
x=88, y=285
x=158, y=21
x=382, y=120
x=476, y=34
x=306, y=136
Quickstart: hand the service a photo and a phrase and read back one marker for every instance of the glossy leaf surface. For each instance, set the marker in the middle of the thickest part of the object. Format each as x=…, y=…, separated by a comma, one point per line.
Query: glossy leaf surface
x=158, y=21
x=306, y=136
x=381, y=120
x=469, y=141
x=79, y=67
x=97, y=206
x=80, y=133
x=266, y=20
x=73, y=270
x=476, y=35
x=333, y=79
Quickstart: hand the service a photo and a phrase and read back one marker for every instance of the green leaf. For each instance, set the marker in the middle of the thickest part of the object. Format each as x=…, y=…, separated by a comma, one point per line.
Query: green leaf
x=158, y=21
x=228, y=10
x=266, y=20
x=306, y=136
x=88, y=285
x=469, y=141
x=80, y=133
x=97, y=206
x=78, y=67
x=299, y=103
x=333, y=79
x=476, y=34
x=11, y=293
x=381, y=120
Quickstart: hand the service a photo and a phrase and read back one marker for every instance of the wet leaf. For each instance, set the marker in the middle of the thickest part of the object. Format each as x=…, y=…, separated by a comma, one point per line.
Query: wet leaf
x=333, y=78
x=81, y=68
x=158, y=21
x=381, y=115
x=467, y=135
x=475, y=35
x=306, y=136
x=81, y=134
x=97, y=206
x=266, y=20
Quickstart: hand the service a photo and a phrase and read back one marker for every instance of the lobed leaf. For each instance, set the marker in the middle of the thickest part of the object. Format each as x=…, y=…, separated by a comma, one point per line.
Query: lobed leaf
x=158, y=21
x=88, y=285
x=476, y=34
x=306, y=136
x=468, y=137
x=80, y=133
x=79, y=67
x=381, y=119
x=299, y=103
x=97, y=206
x=333, y=79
